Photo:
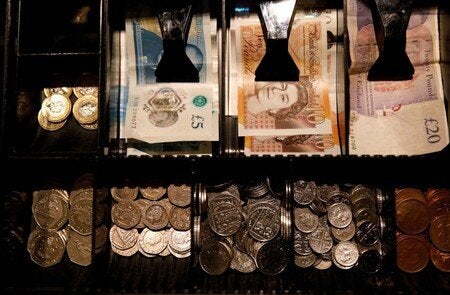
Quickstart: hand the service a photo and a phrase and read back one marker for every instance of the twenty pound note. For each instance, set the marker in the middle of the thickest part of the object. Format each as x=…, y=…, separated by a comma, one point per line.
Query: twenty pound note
x=170, y=112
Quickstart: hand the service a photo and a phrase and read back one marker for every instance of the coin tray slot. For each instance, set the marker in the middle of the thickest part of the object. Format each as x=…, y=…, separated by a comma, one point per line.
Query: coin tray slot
x=51, y=26
x=37, y=74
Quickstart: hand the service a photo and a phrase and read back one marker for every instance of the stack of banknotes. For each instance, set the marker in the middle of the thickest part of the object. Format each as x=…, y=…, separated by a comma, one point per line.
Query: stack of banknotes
x=287, y=117
x=395, y=117
x=163, y=118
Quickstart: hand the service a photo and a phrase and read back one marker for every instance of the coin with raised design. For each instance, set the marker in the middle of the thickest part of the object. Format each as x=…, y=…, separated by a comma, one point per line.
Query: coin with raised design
x=125, y=215
x=47, y=125
x=153, y=193
x=271, y=258
x=346, y=253
x=345, y=233
x=123, y=239
x=156, y=217
x=65, y=91
x=339, y=215
x=242, y=262
x=143, y=205
x=412, y=253
x=46, y=248
x=81, y=216
x=264, y=221
x=440, y=259
x=305, y=261
x=83, y=91
x=57, y=108
x=180, y=218
x=124, y=193
x=85, y=109
x=305, y=220
x=50, y=209
x=440, y=232
x=320, y=240
x=179, y=195
x=79, y=248
x=152, y=242
x=412, y=216
x=215, y=257
x=224, y=219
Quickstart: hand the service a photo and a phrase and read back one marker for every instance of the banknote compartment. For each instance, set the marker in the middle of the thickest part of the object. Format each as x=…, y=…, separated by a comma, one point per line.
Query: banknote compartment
x=56, y=272
x=426, y=16
x=270, y=130
x=152, y=270
x=50, y=26
x=140, y=123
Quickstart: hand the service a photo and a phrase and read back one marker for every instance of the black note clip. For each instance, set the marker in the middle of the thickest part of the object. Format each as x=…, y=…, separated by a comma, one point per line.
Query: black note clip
x=174, y=18
x=277, y=64
x=390, y=20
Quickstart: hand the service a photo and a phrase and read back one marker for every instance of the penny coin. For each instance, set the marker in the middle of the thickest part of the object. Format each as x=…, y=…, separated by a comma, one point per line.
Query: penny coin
x=46, y=248
x=440, y=259
x=438, y=202
x=412, y=253
x=412, y=216
x=57, y=108
x=440, y=232
x=85, y=109
x=409, y=193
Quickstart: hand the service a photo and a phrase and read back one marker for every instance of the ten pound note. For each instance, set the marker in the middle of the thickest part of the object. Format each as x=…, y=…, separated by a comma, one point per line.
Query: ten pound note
x=286, y=117
x=396, y=117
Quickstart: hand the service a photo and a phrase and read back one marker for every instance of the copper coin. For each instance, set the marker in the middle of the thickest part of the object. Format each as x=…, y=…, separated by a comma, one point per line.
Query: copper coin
x=438, y=202
x=412, y=216
x=440, y=232
x=412, y=253
x=440, y=259
x=409, y=193
x=431, y=194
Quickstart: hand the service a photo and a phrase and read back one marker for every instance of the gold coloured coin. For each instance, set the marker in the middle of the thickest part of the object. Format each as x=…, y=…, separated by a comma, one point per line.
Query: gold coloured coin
x=83, y=91
x=85, y=109
x=65, y=91
x=45, y=124
x=93, y=126
x=46, y=248
x=57, y=107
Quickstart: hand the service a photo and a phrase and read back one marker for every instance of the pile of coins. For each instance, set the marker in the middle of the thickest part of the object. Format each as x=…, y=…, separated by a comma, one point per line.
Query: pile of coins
x=246, y=228
x=156, y=223
x=64, y=222
x=57, y=106
x=423, y=229
x=335, y=227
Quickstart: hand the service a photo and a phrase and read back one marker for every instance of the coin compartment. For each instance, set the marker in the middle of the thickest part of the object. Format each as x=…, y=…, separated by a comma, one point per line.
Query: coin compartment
x=53, y=26
x=39, y=259
x=329, y=217
x=27, y=135
x=152, y=254
x=227, y=253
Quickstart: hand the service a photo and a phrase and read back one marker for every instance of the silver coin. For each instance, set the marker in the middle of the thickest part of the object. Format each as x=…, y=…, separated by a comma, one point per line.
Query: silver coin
x=339, y=215
x=242, y=262
x=305, y=261
x=152, y=242
x=320, y=240
x=225, y=219
x=126, y=215
x=123, y=239
x=304, y=192
x=215, y=257
x=264, y=221
x=301, y=243
x=346, y=253
x=344, y=234
x=305, y=220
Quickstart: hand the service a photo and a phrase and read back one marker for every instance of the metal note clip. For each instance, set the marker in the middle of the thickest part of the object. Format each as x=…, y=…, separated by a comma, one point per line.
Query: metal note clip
x=277, y=64
x=390, y=19
x=174, y=17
